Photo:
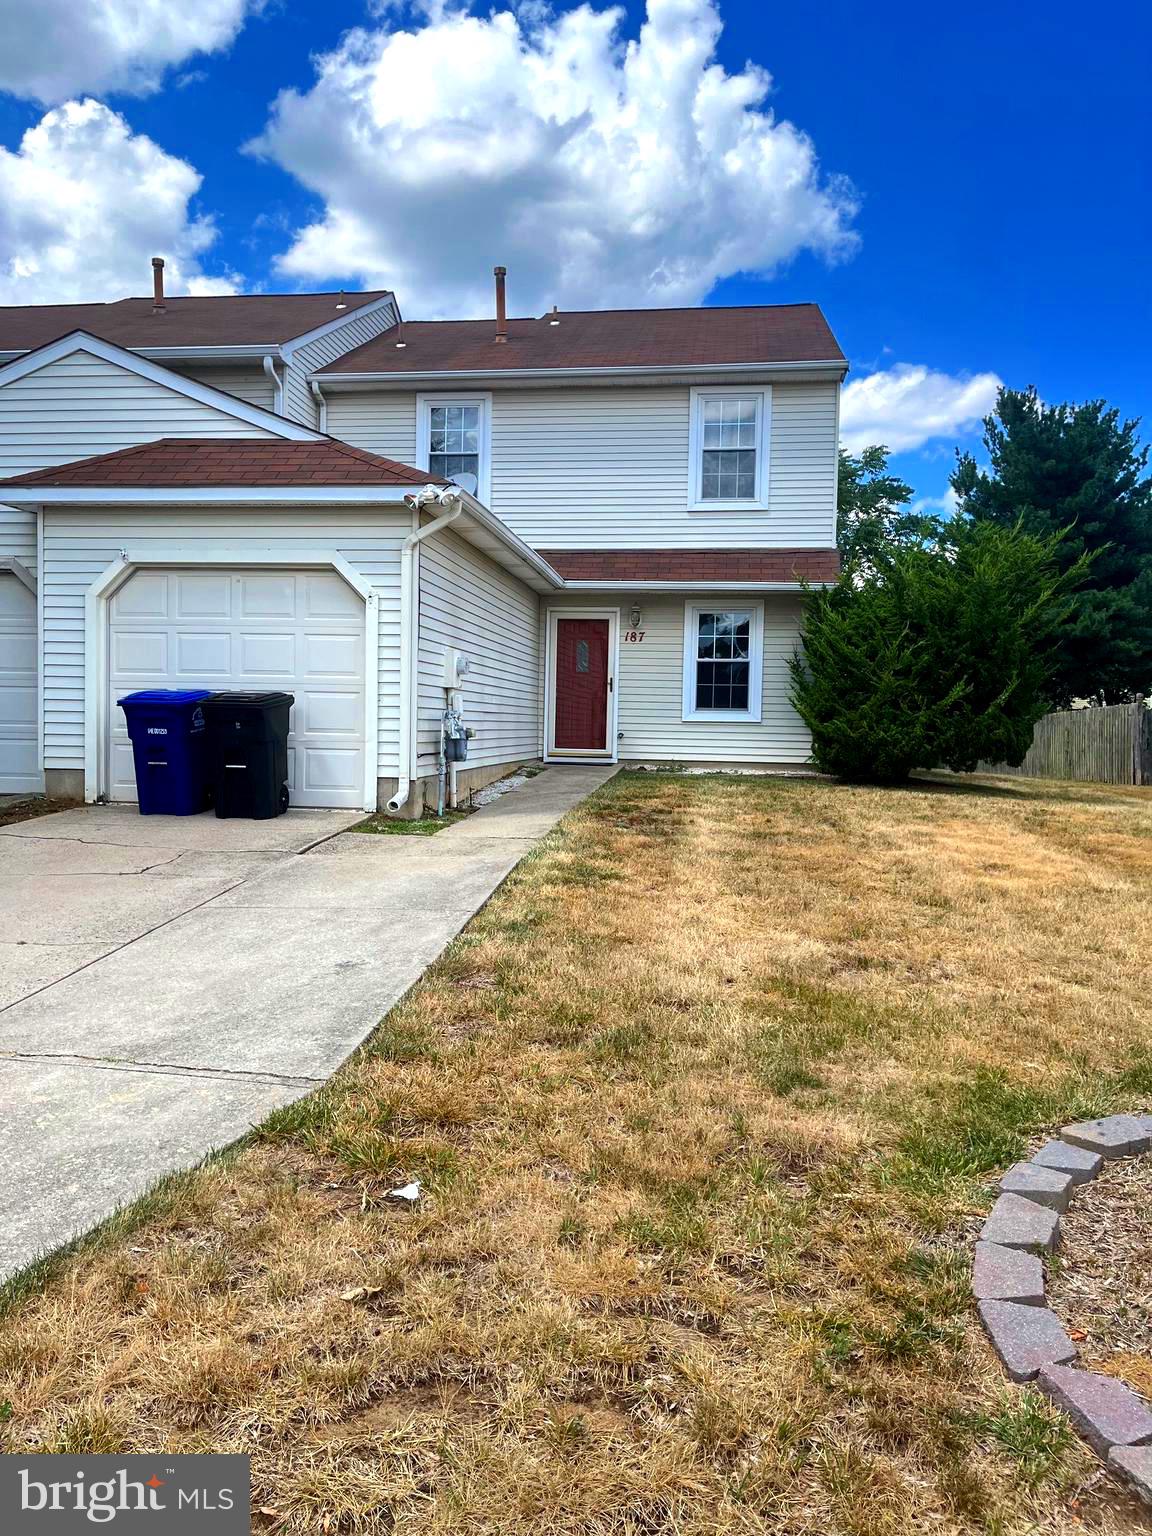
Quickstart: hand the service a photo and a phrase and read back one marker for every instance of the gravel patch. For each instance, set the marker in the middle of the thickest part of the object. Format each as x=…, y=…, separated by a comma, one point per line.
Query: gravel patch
x=1100, y=1286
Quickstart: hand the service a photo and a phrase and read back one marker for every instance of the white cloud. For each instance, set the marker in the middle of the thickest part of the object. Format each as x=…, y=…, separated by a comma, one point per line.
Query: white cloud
x=600, y=172
x=54, y=49
x=946, y=505
x=907, y=405
x=85, y=203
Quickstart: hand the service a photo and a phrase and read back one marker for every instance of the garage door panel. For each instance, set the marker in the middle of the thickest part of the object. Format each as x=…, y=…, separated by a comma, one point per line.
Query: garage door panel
x=267, y=597
x=328, y=597
x=300, y=631
x=204, y=653
x=267, y=655
x=330, y=713
x=327, y=655
x=144, y=596
x=203, y=597
x=139, y=653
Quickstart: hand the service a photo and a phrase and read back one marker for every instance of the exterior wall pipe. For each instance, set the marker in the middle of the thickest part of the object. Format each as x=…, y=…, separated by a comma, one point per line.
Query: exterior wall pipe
x=321, y=407
x=277, y=384
x=448, y=497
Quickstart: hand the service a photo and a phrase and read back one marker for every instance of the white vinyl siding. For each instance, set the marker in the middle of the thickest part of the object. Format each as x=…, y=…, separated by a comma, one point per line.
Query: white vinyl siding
x=81, y=405
x=469, y=602
x=378, y=421
x=249, y=383
x=593, y=467
x=299, y=401
x=79, y=546
x=651, y=683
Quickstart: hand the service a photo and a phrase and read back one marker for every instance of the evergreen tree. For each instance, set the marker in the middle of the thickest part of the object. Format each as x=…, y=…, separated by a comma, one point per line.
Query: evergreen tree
x=938, y=657
x=1080, y=468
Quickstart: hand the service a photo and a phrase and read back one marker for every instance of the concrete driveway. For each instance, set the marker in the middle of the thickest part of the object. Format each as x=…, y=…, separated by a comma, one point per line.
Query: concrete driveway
x=166, y=982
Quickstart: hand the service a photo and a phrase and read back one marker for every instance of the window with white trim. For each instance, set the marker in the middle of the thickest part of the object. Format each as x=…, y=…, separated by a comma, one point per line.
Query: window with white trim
x=729, y=449
x=453, y=436
x=723, y=661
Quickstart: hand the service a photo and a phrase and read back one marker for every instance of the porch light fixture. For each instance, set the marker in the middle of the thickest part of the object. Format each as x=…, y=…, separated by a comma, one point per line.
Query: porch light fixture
x=635, y=618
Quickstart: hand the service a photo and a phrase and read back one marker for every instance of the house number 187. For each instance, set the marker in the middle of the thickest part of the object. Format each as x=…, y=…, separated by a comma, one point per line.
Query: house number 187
x=633, y=636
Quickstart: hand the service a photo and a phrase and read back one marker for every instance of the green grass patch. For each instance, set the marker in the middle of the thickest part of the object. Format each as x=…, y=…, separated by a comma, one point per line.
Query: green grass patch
x=425, y=826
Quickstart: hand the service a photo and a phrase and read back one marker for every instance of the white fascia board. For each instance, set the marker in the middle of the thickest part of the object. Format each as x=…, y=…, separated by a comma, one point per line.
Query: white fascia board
x=493, y=377
x=121, y=357
x=208, y=354
x=692, y=586
x=479, y=514
x=288, y=347
x=236, y=496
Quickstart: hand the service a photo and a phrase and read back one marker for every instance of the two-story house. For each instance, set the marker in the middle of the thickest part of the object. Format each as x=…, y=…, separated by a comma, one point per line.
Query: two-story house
x=609, y=514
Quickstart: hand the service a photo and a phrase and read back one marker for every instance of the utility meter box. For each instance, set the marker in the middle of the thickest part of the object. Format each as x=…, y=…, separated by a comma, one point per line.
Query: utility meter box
x=456, y=667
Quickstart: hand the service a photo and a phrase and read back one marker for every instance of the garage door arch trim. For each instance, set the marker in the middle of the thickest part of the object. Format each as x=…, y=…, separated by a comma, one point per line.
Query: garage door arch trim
x=97, y=631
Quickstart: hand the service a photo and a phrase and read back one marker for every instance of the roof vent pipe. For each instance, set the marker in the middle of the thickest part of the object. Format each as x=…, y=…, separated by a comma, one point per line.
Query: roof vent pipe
x=158, y=305
x=501, y=304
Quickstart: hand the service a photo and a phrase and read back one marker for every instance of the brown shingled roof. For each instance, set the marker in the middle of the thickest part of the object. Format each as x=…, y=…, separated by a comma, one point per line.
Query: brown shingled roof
x=216, y=320
x=703, y=565
x=196, y=463
x=606, y=338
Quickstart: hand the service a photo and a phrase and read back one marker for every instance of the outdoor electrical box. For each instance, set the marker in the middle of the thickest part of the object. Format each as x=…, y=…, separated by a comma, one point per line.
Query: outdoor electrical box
x=456, y=668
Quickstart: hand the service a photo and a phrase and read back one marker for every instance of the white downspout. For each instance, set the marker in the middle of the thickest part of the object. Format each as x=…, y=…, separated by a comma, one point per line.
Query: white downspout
x=277, y=384
x=449, y=498
x=321, y=407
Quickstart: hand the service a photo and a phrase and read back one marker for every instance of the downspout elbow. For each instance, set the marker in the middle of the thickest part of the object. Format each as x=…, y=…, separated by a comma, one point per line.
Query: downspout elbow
x=321, y=406
x=277, y=384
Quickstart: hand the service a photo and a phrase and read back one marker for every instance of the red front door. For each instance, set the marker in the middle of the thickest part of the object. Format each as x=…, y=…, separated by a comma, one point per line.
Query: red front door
x=581, y=685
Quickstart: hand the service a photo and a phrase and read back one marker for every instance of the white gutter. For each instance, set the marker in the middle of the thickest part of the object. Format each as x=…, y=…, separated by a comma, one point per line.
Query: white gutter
x=448, y=497
x=277, y=383
x=321, y=406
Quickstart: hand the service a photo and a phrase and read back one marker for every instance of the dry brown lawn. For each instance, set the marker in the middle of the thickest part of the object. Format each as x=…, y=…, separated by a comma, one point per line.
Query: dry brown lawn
x=706, y=1105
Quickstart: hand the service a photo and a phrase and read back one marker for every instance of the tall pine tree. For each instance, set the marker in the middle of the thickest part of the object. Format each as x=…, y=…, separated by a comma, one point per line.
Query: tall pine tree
x=1080, y=468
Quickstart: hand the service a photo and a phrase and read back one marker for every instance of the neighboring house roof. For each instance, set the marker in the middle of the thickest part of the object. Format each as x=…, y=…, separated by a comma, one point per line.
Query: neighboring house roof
x=695, y=565
x=195, y=463
x=606, y=338
x=217, y=320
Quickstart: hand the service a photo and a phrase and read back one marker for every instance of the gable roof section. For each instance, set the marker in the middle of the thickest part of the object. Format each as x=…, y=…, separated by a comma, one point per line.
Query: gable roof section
x=608, y=338
x=193, y=389
x=193, y=463
x=218, y=320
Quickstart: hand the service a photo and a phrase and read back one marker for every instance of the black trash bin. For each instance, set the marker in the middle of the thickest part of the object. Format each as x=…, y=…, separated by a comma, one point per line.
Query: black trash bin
x=248, y=753
x=166, y=728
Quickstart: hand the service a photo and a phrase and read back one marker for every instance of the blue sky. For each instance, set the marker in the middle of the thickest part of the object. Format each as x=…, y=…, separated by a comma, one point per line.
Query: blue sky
x=998, y=156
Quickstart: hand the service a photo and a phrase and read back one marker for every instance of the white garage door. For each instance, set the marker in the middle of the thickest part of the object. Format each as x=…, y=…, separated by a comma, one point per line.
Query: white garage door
x=299, y=631
x=18, y=769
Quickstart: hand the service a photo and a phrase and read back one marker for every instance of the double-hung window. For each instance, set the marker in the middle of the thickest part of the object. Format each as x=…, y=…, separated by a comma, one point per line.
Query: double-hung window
x=453, y=437
x=723, y=661
x=729, y=449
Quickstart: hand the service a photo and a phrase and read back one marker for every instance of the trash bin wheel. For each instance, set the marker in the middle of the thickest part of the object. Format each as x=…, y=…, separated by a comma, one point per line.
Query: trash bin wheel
x=283, y=797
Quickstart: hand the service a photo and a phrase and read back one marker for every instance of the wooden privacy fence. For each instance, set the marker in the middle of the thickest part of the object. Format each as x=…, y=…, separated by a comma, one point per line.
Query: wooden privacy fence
x=1109, y=745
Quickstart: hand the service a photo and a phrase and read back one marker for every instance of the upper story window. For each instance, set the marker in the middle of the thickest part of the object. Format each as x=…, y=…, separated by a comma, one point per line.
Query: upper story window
x=728, y=449
x=453, y=439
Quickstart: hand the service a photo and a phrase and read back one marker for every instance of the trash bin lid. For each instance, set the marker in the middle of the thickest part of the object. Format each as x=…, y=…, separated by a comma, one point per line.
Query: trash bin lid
x=248, y=700
x=166, y=696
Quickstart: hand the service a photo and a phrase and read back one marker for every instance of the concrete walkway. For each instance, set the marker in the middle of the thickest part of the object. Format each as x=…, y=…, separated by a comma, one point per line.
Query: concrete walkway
x=166, y=982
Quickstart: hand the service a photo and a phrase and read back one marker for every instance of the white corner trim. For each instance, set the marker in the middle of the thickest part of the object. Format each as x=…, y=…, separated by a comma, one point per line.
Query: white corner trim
x=754, y=713
x=551, y=617
x=424, y=431
x=156, y=553
x=18, y=569
x=698, y=394
x=287, y=348
x=132, y=362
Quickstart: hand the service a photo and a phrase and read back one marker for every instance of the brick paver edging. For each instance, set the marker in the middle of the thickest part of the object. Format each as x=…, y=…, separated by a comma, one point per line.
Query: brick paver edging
x=1008, y=1283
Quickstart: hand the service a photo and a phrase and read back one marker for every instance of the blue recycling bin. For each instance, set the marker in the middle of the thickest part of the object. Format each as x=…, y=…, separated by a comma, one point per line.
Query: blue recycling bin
x=166, y=728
